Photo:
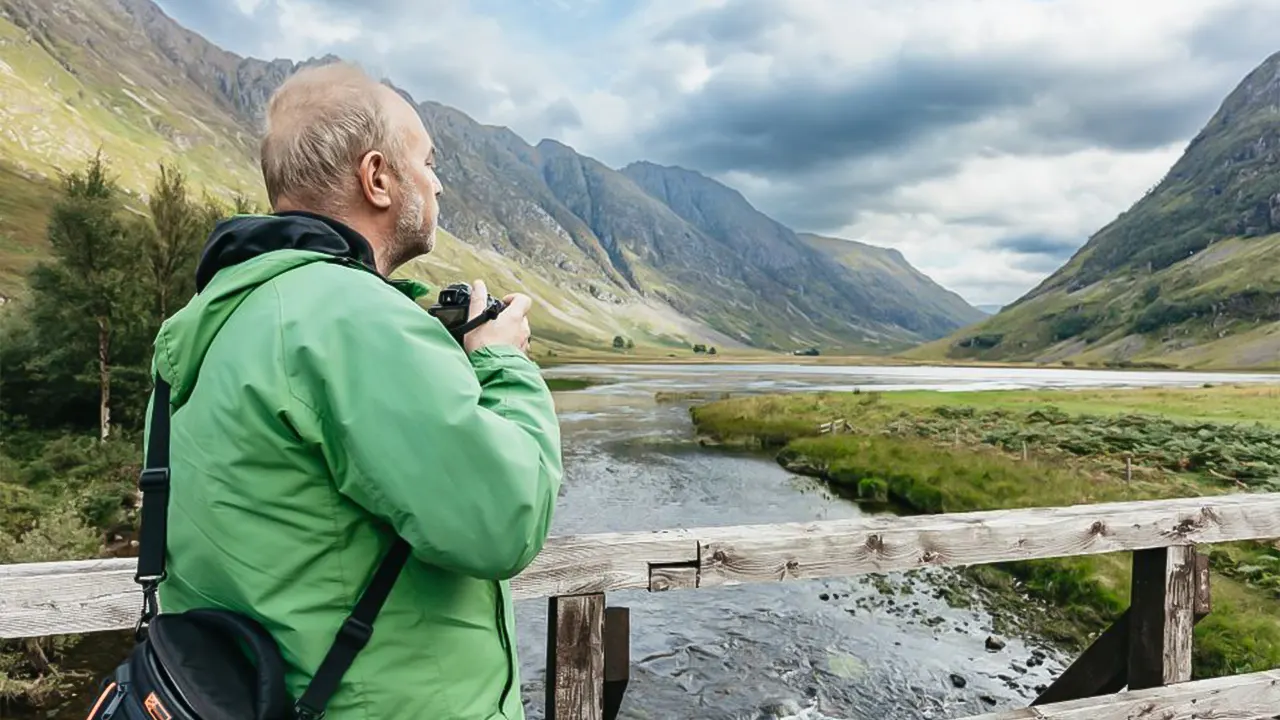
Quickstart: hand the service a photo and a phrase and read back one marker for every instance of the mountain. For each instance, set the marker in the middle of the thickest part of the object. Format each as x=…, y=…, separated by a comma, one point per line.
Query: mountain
x=887, y=274
x=870, y=292
x=602, y=251
x=1186, y=277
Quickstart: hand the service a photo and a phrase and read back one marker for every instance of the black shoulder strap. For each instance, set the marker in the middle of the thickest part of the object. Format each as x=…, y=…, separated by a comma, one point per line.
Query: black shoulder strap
x=355, y=630
x=352, y=635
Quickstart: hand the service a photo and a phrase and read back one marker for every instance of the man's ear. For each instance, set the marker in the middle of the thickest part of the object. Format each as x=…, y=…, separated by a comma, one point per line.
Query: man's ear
x=375, y=179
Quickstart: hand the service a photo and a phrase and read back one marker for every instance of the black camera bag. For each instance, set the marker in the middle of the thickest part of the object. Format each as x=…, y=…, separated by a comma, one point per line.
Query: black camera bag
x=208, y=663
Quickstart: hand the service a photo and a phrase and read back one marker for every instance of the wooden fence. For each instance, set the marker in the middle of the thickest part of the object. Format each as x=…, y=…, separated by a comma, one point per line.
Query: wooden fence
x=1147, y=651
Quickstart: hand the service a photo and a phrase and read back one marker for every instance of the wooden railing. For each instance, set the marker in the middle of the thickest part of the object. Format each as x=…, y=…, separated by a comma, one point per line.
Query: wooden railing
x=1148, y=650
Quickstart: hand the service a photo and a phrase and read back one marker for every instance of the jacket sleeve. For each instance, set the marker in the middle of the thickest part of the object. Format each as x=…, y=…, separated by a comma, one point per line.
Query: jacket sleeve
x=461, y=455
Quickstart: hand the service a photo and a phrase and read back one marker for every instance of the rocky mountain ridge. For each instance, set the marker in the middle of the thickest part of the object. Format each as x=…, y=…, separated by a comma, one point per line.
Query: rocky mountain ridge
x=611, y=255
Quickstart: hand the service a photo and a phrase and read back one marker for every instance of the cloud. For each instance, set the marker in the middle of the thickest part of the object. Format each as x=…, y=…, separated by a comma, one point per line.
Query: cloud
x=985, y=139
x=1037, y=245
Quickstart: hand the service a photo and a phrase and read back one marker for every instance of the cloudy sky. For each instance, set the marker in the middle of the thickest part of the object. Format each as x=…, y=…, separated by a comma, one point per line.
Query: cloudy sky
x=985, y=139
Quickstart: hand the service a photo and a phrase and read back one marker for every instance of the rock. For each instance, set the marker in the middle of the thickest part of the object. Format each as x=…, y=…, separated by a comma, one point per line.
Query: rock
x=1018, y=667
x=995, y=644
x=1034, y=661
x=1039, y=654
x=958, y=681
x=1275, y=212
x=824, y=597
x=988, y=700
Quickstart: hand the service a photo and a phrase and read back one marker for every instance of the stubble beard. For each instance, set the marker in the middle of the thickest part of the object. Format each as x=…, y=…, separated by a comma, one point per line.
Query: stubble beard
x=411, y=237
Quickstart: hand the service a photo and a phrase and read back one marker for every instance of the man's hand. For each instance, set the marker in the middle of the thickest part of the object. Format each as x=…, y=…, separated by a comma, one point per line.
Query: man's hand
x=511, y=327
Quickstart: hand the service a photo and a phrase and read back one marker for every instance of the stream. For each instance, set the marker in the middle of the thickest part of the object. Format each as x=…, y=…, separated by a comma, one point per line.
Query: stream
x=837, y=649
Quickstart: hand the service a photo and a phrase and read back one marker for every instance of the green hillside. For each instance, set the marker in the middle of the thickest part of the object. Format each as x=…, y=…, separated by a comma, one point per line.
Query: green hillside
x=1185, y=277
x=886, y=273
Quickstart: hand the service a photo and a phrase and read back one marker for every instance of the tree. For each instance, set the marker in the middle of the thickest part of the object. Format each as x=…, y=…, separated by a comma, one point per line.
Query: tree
x=699, y=348
x=712, y=351
x=172, y=239
x=619, y=342
x=90, y=288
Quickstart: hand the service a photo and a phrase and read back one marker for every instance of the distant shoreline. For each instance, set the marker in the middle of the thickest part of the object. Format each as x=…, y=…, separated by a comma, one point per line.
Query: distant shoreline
x=729, y=358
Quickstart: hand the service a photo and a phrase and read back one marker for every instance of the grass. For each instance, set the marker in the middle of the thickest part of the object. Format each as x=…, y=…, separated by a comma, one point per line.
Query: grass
x=1193, y=314
x=930, y=452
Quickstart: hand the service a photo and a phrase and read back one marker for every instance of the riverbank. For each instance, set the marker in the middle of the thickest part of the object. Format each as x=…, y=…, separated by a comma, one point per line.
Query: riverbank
x=650, y=355
x=559, y=356
x=928, y=452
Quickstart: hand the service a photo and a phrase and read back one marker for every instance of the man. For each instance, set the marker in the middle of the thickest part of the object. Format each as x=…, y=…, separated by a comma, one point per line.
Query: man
x=318, y=412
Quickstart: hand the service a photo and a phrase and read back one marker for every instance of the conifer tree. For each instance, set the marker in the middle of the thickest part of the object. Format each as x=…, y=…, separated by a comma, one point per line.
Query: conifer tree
x=88, y=295
x=172, y=239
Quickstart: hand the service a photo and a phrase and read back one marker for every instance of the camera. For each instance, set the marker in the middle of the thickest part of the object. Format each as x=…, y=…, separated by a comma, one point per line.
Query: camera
x=454, y=303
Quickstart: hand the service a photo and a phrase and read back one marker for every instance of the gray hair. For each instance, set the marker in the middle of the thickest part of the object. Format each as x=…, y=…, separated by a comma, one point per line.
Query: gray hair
x=319, y=123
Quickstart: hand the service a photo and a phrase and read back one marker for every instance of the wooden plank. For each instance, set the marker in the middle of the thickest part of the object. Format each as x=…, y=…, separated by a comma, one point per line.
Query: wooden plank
x=575, y=658
x=866, y=545
x=584, y=564
x=617, y=659
x=38, y=599
x=55, y=598
x=1161, y=616
x=1238, y=697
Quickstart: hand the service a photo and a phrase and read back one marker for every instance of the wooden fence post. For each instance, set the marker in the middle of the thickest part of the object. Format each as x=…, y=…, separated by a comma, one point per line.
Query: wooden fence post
x=575, y=657
x=617, y=659
x=1161, y=617
x=1103, y=669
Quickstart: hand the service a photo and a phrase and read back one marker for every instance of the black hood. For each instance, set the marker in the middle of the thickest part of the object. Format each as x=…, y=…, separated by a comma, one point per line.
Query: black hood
x=243, y=237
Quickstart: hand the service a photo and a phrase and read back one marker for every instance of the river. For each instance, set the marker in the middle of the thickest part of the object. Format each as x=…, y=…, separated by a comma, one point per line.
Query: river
x=838, y=649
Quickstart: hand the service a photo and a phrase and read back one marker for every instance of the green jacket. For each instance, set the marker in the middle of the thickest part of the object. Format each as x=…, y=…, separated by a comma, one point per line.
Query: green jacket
x=317, y=410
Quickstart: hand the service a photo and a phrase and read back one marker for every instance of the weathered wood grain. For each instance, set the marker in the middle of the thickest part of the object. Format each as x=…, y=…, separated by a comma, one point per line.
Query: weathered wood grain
x=1238, y=697
x=672, y=577
x=1161, y=616
x=1204, y=594
x=38, y=599
x=1103, y=668
x=582, y=564
x=55, y=598
x=865, y=545
x=880, y=545
x=575, y=658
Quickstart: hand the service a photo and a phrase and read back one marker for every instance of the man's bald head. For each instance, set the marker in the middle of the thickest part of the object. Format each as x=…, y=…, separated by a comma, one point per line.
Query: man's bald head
x=342, y=144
